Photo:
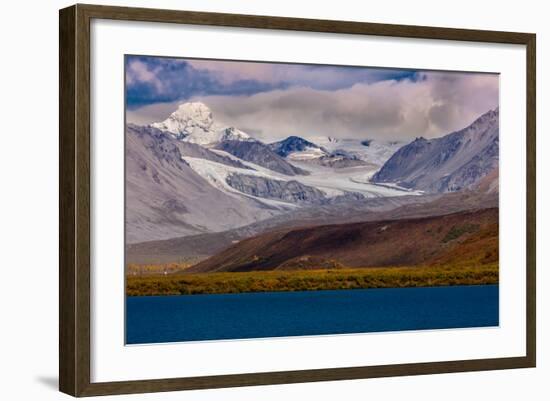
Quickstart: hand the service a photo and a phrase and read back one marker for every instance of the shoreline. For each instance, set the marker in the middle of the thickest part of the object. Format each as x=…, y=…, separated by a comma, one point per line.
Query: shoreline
x=311, y=280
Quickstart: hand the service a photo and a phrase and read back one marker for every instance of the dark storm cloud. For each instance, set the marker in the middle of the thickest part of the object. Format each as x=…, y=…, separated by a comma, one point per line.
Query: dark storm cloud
x=152, y=80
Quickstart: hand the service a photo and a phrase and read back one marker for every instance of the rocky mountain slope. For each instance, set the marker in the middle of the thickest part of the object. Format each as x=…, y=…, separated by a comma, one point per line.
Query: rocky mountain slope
x=166, y=198
x=260, y=154
x=200, y=246
x=469, y=235
x=450, y=163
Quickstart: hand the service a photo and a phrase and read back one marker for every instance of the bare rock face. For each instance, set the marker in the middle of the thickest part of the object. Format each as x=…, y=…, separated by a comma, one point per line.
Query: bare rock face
x=341, y=159
x=260, y=154
x=451, y=163
x=193, y=150
x=287, y=191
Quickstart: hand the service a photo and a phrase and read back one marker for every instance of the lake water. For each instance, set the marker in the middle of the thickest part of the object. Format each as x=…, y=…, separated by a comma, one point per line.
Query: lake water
x=275, y=314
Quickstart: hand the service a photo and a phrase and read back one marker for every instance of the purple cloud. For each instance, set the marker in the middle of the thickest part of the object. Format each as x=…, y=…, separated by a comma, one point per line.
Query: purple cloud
x=431, y=105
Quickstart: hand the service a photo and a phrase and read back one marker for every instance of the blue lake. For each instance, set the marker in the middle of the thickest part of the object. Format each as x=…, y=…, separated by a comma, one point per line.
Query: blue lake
x=275, y=314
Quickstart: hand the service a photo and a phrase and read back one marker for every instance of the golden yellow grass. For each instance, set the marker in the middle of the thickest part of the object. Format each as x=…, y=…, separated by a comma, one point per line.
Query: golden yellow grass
x=155, y=270
x=311, y=280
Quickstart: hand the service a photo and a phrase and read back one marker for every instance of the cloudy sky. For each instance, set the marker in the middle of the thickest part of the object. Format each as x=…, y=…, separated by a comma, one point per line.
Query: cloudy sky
x=272, y=101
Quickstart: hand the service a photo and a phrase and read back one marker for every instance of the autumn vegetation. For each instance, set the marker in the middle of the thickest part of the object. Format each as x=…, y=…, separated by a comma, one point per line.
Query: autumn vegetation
x=326, y=279
x=458, y=249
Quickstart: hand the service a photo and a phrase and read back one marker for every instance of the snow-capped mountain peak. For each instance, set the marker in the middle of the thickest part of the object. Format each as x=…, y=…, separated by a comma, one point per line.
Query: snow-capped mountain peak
x=295, y=146
x=187, y=119
x=193, y=122
x=195, y=111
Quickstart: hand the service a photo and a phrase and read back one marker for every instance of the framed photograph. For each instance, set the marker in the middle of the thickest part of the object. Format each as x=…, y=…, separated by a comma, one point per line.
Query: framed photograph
x=249, y=200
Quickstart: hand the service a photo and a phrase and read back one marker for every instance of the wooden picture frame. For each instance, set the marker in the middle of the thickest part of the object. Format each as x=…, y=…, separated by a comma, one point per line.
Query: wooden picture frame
x=74, y=203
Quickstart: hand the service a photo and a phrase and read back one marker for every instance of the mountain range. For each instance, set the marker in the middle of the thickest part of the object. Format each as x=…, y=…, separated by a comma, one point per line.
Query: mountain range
x=166, y=198
x=190, y=175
